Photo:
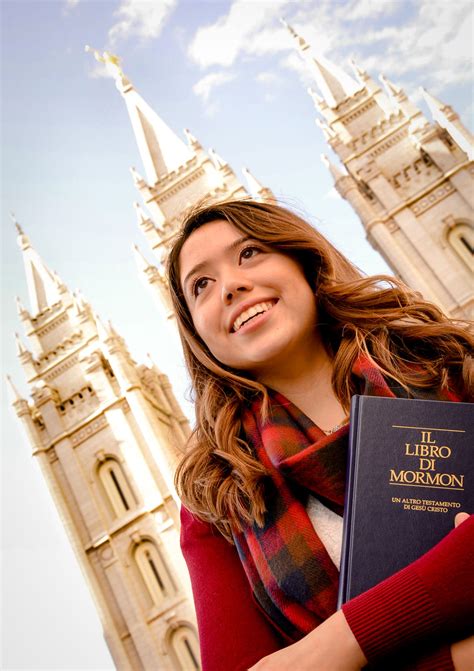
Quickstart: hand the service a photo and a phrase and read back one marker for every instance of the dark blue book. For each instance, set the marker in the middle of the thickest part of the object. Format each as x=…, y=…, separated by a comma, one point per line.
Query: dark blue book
x=410, y=471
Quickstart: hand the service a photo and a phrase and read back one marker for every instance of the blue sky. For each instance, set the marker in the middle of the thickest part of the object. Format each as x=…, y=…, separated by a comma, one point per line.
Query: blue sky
x=226, y=70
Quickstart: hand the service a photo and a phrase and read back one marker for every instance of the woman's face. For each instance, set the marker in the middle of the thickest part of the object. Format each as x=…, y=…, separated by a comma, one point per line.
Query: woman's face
x=250, y=304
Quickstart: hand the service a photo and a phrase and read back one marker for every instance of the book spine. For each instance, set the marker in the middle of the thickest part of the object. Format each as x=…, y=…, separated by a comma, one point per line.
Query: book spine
x=348, y=508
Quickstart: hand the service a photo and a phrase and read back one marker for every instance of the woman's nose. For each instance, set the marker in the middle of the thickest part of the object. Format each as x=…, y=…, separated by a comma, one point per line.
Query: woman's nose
x=233, y=286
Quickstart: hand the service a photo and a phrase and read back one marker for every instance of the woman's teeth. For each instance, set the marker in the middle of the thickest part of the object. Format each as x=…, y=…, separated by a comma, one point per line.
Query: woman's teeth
x=251, y=312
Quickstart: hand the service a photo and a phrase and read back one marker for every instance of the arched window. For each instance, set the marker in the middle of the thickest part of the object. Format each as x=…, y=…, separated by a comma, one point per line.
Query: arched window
x=117, y=489
x=461, y=239
x=185, y=647
x=153, y=572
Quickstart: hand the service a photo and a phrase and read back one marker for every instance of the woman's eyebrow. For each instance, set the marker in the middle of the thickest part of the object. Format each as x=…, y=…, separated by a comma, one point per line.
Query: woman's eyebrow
x=230, y=248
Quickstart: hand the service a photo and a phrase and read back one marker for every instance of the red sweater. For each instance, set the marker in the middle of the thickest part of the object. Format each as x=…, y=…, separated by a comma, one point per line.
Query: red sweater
x=424, y=607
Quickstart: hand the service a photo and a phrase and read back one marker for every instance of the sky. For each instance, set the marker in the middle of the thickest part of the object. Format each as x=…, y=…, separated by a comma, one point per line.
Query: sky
x=226, y=70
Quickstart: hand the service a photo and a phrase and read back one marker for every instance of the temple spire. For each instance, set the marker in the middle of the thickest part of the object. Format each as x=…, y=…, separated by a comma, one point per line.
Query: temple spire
x=449, y=120
x=142, y=218
x=258, y=191
x=392, y=89
x=141, y=261
x=333, y=169
x=20, y=347
x=216, y=159
x=318, y=101
x=44, y=285
x=192, y=140
x=161, y=150
x=334, y=84
x=359, y=72
x=137, y=178
x=14, y=393
x=329, y=133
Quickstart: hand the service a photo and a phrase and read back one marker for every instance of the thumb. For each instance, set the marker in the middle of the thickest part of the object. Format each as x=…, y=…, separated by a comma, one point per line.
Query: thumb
x=460, y=518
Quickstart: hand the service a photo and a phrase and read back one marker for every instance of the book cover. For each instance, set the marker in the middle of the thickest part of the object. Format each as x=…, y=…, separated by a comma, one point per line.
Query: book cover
x=410, y=471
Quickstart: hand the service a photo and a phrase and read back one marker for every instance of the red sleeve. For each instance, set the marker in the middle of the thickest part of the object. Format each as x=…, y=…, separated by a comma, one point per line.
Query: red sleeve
x=233, y=633
x=431, y=600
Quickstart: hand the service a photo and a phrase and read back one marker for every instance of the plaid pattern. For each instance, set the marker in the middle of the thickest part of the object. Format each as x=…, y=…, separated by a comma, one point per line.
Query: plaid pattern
x=291, y=574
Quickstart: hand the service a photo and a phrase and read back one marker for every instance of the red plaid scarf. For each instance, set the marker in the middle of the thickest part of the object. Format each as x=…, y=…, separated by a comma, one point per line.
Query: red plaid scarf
x=288, y=567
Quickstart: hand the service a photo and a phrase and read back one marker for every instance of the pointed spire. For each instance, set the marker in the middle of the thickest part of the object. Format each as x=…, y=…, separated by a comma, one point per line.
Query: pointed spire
x=334, y=170
x=449, y=120
x=318, y=101
x=83, y=304
x=435, y=105
x=258, y=191
x=335, y=84
x=137, y=178
x=217, y=160
x=113, y=332
x=141, y=216
x=20, y=347
x=43, y=284
x=152, y=364
x=102, y=330
x=13, y=391
x=359, y=72
x=192, y=141
x=254, y=185
x=329, y=134
x=20, y=308
x=161, y=150
x=392, y=89
x=76, y=306
x=142, y=263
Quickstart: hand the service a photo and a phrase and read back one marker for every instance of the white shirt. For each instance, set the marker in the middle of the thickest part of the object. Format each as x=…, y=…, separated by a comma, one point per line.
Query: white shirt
x=328, y=526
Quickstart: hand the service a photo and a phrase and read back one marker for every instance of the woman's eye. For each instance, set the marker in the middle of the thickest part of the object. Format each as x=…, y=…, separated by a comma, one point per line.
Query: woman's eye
x=199, y=285
x=249, y=252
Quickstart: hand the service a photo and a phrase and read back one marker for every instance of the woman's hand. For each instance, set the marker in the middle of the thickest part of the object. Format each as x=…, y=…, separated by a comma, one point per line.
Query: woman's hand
x=330, y=647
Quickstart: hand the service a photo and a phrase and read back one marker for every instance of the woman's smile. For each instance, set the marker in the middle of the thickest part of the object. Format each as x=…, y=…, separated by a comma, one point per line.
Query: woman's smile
x=250, y=304
x=250, y=314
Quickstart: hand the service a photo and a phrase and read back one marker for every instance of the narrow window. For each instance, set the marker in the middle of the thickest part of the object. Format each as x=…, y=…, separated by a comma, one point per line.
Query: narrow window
x=461, y=239
x=154, y=573
x=117, y=490
x=186, y=650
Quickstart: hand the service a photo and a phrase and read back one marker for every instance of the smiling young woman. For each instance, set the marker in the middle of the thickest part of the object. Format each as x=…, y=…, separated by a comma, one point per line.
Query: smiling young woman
x=279, y=330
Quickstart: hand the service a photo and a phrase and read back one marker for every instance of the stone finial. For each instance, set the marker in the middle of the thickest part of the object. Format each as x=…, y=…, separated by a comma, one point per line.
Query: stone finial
x=137, y=178
x=141, y=216
x=217, y=160
x=20, y=347
x=334, y=170
x=13, y=391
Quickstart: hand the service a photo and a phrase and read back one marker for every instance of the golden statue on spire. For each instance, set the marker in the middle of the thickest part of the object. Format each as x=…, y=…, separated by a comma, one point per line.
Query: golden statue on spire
x=111, y=62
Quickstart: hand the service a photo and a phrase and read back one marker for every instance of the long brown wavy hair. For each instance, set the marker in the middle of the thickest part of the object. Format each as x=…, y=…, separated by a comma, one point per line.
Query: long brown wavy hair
x=409, y=339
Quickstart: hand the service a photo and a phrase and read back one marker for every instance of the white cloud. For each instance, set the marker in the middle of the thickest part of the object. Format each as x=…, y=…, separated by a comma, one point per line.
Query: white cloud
x=70, y=4
x=267, y=78
x=204, y=86
x=142, y=18
x=418, y=41
x=363, y=9
x=241, y=30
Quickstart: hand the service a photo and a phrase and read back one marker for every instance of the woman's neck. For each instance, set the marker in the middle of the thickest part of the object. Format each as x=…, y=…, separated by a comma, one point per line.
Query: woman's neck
x=309, y=387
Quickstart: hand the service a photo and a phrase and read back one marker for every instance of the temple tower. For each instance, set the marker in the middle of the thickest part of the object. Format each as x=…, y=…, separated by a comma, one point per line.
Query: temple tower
x=108, y=433
x=178, y=176
x=411, y=181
